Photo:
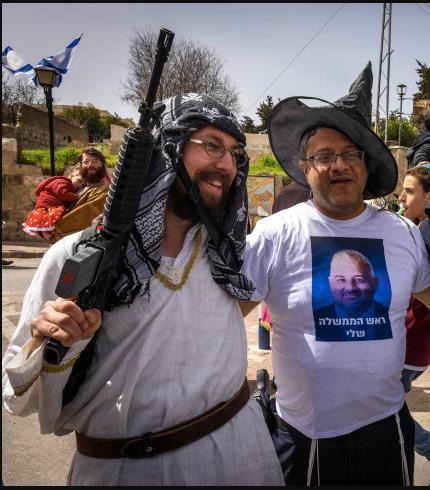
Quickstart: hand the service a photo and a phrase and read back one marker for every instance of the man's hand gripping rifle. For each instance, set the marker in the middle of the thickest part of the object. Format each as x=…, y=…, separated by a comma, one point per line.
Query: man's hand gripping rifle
x=90, y=274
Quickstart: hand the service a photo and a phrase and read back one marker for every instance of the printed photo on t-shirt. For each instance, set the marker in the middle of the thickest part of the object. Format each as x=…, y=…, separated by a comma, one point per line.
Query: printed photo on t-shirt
x=351, y=291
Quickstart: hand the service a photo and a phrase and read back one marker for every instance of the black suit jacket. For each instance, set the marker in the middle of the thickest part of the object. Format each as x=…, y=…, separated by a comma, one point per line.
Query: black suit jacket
x=329, y=311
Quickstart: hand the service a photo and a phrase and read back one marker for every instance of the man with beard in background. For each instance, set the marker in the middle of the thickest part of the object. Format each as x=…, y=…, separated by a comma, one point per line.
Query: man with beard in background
x=92, y=168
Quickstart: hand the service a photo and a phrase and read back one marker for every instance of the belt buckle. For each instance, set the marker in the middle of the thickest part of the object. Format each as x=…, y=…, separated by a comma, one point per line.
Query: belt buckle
x=140, y=447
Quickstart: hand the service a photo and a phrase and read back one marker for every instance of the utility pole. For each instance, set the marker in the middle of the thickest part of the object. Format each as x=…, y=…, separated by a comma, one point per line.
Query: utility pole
x=384, y=68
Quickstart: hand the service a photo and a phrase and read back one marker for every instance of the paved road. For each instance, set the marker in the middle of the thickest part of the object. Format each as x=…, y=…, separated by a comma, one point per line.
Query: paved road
x=32, y=459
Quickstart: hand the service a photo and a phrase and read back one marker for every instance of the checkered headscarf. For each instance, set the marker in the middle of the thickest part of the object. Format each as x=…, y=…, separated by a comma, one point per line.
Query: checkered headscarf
x=184, y=114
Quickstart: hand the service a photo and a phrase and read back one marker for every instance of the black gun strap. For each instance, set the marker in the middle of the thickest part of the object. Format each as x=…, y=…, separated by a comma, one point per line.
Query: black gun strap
x=79, y=371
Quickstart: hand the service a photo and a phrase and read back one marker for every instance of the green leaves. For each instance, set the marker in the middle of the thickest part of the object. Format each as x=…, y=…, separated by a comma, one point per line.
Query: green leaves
x=266, y=164
x=63, y=157
x=98, y=125
x=408, y=133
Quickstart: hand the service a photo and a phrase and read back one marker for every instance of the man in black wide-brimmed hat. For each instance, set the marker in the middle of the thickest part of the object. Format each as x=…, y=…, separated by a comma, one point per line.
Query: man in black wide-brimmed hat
x=340, y=409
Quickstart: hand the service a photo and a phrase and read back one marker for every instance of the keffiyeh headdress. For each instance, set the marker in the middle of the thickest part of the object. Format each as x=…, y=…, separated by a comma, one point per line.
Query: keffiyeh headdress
x=183, y=115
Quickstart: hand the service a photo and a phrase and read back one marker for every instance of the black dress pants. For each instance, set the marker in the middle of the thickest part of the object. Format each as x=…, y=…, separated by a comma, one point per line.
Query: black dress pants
x=368, y=456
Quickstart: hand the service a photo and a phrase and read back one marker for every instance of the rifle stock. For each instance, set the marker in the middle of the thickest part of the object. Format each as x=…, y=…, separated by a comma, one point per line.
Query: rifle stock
x=90, y=274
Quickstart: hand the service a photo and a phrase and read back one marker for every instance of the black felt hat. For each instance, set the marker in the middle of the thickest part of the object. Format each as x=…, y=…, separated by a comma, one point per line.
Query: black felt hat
x=351, y=115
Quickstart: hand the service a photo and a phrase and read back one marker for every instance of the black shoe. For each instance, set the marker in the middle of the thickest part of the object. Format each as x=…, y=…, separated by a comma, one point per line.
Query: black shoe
x=6, y=262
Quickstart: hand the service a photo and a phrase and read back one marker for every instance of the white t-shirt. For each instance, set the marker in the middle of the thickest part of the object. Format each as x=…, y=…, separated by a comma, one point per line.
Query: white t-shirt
x=335, y=375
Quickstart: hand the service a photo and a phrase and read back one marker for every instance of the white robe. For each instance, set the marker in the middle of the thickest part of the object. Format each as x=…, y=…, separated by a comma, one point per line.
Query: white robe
x=159, y=362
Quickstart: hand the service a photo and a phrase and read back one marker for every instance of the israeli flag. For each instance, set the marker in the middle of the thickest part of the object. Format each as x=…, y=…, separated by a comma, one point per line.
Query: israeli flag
x=59, y=62
x=13, y=62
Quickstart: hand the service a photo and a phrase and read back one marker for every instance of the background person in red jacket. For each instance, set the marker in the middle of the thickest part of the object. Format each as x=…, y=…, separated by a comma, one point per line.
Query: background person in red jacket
x=55, y=195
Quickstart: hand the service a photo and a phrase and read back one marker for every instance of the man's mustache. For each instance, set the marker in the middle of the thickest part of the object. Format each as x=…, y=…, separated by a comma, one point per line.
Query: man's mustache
x=208, y=175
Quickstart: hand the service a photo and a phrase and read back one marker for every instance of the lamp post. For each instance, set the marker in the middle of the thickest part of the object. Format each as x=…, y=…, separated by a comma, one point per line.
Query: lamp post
x=46, y=78
x=401, y=90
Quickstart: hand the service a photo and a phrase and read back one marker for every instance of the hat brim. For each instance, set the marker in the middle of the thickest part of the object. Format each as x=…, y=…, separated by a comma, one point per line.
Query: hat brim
x=291, y=118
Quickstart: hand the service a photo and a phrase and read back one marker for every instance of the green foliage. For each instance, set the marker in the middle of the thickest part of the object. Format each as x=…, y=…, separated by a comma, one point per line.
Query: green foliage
x=63, y=157
x=67, y=156
x=42, y=158
x=392, y=203
x=33, y=156
x=409, y=131
x=263, y=112
x=267, y=165
x=248, y=125
x=110, y=159
x=98, y=126
x=424, y=81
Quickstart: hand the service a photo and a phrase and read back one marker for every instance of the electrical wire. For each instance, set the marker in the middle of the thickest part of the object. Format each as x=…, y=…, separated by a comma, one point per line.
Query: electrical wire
x=423, y=9
x=294, y=59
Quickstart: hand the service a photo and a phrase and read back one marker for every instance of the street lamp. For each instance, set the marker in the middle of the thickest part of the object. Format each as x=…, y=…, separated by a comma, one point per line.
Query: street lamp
x=401, y=90
x=46, y=78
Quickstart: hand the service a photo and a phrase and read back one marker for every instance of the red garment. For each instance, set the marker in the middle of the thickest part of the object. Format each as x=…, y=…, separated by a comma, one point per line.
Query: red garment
x=53, y=197
x=41, y=219
x=55, y=191
x=266, y=320
x=418, y=334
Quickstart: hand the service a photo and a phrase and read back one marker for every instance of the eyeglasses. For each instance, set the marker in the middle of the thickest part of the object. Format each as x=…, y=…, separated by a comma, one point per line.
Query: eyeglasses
x=326, y=160
x=215, y=150
x=89, y=162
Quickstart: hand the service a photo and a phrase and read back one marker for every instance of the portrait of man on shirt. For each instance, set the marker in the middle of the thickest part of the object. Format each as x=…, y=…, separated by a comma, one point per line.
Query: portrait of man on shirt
x=353, y=312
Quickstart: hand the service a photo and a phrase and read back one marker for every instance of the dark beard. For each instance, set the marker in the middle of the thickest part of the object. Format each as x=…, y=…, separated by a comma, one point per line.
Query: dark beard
x=184, y=208
x=93, y=178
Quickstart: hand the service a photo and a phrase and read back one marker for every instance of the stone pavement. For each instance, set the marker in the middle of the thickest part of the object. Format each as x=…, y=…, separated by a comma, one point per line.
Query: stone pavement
x=28, y=249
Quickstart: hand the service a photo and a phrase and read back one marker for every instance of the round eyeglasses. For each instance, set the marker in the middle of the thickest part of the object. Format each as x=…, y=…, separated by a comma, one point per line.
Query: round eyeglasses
x=91, y=162
x=215, y=150
x=324, y=161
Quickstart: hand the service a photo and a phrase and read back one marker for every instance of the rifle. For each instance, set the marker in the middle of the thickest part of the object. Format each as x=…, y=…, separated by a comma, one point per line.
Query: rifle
x=89, y=274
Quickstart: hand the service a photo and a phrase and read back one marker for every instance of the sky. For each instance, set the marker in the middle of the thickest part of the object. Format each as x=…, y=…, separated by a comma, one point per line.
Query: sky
x=276, y=49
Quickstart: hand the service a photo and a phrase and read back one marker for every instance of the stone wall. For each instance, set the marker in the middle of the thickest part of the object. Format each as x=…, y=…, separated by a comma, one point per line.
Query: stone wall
x=398, y=153
x=257, y=145
x=419, y=106
x=18, y=185
x=116, y=134
x=9, y=131
x=32, y=130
